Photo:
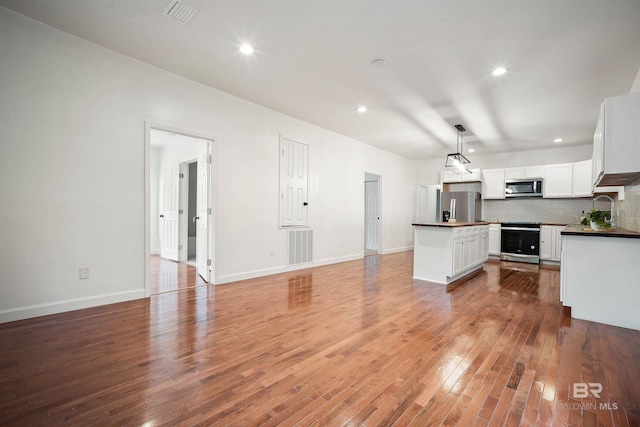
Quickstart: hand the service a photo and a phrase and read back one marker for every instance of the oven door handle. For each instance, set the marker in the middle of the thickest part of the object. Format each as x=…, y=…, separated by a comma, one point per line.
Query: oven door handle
x=519, y=229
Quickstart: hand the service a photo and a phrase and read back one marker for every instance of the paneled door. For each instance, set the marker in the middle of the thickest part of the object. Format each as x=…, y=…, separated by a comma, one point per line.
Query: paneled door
x=169, y=206
x=203, y=214
x=293, y=183
x=372, y=215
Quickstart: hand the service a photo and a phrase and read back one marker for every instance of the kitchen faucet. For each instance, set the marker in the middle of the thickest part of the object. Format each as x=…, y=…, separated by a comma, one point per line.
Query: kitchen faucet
x=613, y=204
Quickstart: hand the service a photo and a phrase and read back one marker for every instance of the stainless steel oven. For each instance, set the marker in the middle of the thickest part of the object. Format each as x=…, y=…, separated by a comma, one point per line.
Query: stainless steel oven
x=520, y=241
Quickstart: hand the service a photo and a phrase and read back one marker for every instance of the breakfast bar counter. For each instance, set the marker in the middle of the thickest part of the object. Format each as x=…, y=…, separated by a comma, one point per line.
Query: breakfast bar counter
x=600, y=275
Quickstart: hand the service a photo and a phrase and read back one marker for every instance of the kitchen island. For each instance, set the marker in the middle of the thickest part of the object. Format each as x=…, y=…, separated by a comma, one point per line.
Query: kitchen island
x=600, y=275
x=445, y=251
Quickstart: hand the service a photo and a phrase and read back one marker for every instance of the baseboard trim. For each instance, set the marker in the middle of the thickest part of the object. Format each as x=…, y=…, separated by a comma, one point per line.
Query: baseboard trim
x=284, y=269
x=394, y=250
x=38, y=310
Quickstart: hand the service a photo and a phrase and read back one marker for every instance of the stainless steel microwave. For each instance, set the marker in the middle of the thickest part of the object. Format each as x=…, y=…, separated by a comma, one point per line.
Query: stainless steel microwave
x=523, y=188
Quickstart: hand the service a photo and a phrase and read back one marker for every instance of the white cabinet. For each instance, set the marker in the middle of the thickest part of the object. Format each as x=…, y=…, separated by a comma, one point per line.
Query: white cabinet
x=617, y=141
x=513, y=173
x=483, y=253
x=562, y=180
x=550, y=242
x=524, y=172
x=534, y=172
x=494, y=239
x=582, y=179
x=445, y=254
x=598, y=148
x=447, y=177
x=470, y=256
x=558, y=180
x=458, y=255
x=546, y=242
x=493, y=184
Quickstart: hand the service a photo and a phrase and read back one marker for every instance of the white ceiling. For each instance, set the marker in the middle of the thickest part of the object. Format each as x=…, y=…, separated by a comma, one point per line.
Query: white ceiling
x=313, y=61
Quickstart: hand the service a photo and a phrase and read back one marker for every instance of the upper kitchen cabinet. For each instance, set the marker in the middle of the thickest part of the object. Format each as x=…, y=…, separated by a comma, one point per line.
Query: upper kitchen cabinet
x=524, y=172
x=449, y=177
x=582, y=179
x=493, y=184
x=558, y=181
x=616, y=142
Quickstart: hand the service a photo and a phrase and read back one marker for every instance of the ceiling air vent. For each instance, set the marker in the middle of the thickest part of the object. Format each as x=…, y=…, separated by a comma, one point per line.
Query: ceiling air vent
x=180, y=12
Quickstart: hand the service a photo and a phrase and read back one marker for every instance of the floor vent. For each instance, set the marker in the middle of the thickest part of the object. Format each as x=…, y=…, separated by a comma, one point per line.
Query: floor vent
x=180, y=12
x=300, y=246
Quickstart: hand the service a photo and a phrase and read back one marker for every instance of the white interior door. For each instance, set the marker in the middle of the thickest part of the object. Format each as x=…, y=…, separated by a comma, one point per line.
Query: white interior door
x=169, y=202
x=203, y=215
x=293, y=183
x=372, y=215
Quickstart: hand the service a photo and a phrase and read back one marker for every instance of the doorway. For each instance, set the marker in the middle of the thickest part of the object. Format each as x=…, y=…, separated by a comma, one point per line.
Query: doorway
x=178, y=210
x=371, y=214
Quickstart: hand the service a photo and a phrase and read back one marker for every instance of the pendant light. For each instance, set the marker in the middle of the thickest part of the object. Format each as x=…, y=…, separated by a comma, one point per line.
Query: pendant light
x=456, y=161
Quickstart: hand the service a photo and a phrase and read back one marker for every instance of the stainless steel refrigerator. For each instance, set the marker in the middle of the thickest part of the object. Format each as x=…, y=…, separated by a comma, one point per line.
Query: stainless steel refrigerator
x=464, y=206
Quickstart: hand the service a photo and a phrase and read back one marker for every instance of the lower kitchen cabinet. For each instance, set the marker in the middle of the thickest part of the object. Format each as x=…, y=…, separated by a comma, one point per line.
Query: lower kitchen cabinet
x=551, y=242
x=494, y=239
x=443, y=254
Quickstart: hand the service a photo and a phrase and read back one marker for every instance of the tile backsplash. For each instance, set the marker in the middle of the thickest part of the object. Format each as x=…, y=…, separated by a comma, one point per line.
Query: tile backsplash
x=561, y=211
x=629, y=208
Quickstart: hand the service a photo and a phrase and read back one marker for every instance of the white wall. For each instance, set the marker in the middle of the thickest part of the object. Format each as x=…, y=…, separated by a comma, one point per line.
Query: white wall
x=429, y=170
x=75, y=114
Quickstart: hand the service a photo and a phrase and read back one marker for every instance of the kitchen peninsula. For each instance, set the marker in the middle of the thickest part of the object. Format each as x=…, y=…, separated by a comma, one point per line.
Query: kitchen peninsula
x=447, y=251
x=600, y=275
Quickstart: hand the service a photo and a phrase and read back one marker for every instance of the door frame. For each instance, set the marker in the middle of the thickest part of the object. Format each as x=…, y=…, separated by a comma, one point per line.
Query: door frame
x=364, y=191
x=212, y=190
x=185, y=189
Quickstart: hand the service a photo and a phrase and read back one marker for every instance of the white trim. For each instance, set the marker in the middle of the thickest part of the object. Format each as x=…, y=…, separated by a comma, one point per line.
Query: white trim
x=380, y=251
x=451, y=279
x=394, y=250
x=148, y=125
x=68, y=305
x=285, y=269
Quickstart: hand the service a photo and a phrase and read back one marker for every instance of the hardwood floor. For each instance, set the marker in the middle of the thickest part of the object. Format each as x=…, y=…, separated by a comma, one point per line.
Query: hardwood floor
x=168, y=276
x=357, y=343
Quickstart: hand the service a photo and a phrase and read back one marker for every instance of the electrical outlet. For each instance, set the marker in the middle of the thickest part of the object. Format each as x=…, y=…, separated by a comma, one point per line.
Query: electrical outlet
x=84, y=273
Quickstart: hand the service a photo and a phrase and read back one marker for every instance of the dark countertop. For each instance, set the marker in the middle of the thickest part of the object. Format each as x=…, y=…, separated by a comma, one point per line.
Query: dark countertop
x=450, y=224
x=612, y=232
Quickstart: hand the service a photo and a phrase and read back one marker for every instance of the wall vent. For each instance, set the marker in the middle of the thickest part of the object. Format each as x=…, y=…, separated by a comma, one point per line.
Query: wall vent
x=180, y=11
x=300, y=246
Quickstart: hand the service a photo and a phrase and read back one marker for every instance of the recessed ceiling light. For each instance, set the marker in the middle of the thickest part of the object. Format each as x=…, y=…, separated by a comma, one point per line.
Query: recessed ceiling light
x=498, y=71
x=557, y=140
x=361, y=109
x=246, y=48
x=471, y=150
x=378, y=62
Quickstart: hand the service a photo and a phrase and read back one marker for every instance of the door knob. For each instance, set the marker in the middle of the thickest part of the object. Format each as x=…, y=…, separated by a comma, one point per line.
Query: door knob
x=195, y=218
